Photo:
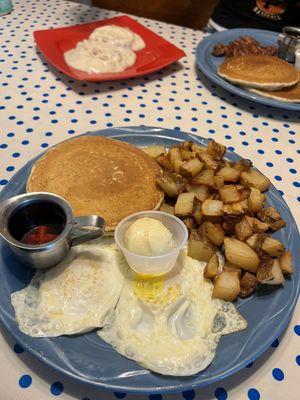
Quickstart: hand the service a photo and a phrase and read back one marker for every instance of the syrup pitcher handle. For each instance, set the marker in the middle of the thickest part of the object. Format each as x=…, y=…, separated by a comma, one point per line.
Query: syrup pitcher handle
x=86, y=228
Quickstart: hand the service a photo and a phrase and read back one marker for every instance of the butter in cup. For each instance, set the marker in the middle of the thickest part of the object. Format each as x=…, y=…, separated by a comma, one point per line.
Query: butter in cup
x=157, y=264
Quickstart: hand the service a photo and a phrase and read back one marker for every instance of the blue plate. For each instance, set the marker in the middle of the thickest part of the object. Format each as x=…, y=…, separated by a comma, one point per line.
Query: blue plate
x=209, y=63
x=88, y=359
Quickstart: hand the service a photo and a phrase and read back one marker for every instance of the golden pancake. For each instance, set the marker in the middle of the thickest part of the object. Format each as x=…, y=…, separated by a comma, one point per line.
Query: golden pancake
x=99, y=176
x=290, y=94
x=258, y=71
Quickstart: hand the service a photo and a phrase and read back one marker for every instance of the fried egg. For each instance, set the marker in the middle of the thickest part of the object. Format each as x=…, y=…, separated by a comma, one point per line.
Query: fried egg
x=76, y=295
x=170, y=324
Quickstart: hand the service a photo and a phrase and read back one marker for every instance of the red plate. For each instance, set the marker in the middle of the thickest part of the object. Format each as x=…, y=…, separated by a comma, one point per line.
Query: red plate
x=157, y=53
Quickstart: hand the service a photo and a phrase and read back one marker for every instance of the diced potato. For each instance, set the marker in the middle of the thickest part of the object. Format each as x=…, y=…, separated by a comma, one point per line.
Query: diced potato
x=269, y=215
x=213, y=231
x=275, y=226
x=209, y=161
x=164, y=161
x=270, y=273
x=184, y=204
x=242, y=165
x=167, y=208
x=212, y=208
x=187, y=144
x=200, y=247
x=189, y=223
x=186, y=154
x=244, y=205
x=211, y=268
x=286, y=263
x=256, y=179
x=191, y=168
x=227, y=286
x=216, y=150
x=230, y=267
x=197, y=211
x=240, y=254
x=258, y=226
x=256, y=200
x=229, y=174
x=272, y=246
x=205, y=177
x=197, y=148
x=248, y=284
x=255, y=241
x=272, y=217
x=243, y=193
x=201, y=191
x=175, y=158
x=168, y=185
x=243, y=230
x=233, y=209
x=229, y=194
x=219, y=181
x=155, y=150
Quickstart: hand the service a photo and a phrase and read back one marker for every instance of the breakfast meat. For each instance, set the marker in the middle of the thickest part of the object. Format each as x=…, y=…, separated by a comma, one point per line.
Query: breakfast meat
x=242, y=46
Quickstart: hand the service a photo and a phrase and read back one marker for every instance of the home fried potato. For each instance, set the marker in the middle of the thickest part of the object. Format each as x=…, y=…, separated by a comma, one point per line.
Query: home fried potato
x=222, y=203
x=200, y=247
x=155, y=150
x=227, y=286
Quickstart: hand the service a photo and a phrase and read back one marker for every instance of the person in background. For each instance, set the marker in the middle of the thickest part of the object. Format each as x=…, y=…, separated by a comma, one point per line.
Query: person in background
x=260, y=14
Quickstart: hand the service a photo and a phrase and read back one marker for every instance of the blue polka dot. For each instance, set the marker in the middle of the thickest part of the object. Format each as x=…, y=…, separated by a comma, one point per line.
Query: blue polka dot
x=25, y=142
x=56, y=388
x=16, y=155
x=278, y=151
x=25, y=381
x=44, y=145
x=275, y=343
x=278, y=374
x=278, y=178
x=253, y=394
x=10, y=168
x=289, y=160
x=155, y=397
x=18, y=349
x=296, y=184
x=260, y=151
x=221, y=393
x=189, y=394
x=119, y=395
x=245, y=143
x=298, y=360
x=3, y=182
x=292, y=171
x=297, y=329
x=3, y=146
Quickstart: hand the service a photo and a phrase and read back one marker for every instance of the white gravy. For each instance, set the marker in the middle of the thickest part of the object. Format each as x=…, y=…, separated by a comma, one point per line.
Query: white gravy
x=109, y=48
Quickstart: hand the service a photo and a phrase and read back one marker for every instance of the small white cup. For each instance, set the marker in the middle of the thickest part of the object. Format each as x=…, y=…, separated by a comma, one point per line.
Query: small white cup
x=152, y=265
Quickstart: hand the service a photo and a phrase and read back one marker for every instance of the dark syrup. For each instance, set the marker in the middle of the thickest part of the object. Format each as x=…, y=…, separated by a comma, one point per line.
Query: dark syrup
x=41, y=234
x=37, y=223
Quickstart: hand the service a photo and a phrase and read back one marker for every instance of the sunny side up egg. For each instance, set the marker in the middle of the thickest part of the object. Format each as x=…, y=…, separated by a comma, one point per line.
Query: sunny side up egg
x=76, y=295
x=171, y=324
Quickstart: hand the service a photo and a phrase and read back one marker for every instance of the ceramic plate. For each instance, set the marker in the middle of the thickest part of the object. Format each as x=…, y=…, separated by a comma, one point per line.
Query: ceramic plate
x=209, y=63
x=88, y=359
x=158, y=52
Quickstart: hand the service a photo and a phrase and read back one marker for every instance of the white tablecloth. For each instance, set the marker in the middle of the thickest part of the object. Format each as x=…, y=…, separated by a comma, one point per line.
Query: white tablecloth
x=39, y=107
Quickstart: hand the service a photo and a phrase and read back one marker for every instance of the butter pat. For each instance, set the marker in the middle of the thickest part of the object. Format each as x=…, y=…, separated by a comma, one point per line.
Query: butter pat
x=149, y=237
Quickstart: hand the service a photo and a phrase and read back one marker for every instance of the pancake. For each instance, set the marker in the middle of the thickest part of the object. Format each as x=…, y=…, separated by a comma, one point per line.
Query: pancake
x=101, y=176
x=290, y=94
x=259, y=71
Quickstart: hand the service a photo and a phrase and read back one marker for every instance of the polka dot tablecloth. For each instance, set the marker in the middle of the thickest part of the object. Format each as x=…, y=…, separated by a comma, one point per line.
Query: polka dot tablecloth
x=39, y=107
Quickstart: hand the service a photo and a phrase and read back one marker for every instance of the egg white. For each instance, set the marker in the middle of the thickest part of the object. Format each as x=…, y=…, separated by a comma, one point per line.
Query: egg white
x=74, y=296
x=171, y=324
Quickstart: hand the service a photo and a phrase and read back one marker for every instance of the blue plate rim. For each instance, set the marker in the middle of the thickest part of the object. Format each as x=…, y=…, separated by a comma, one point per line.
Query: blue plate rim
x=201, y=59
x=119, y=132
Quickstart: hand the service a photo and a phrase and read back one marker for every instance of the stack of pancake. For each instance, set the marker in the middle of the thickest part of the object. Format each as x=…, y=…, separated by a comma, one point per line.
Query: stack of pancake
x=101, y=176
x=265, y=75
